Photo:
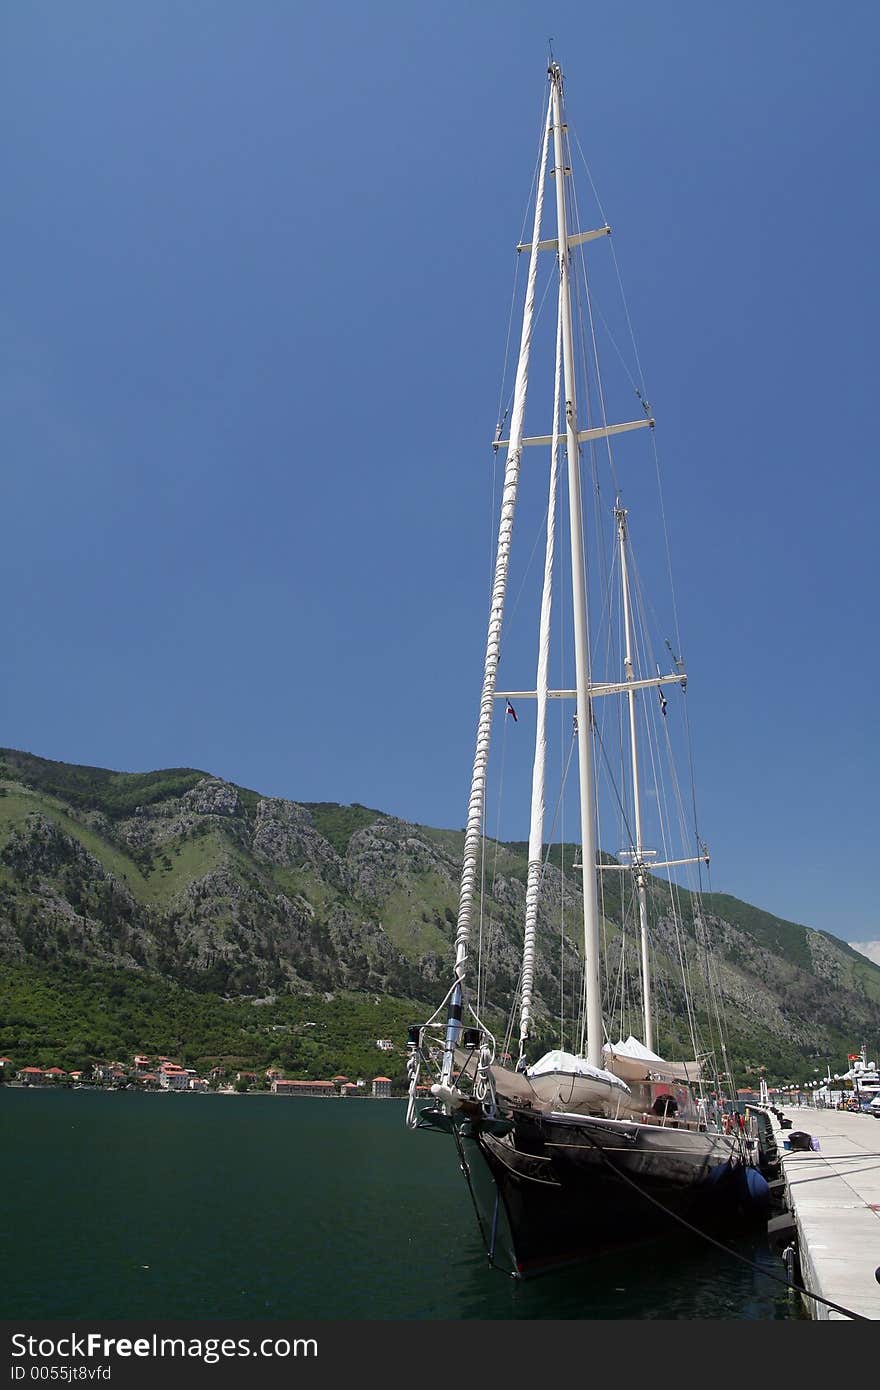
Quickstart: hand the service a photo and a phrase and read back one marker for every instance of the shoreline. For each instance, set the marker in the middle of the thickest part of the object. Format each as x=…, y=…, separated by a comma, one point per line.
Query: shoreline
x=168, y=1091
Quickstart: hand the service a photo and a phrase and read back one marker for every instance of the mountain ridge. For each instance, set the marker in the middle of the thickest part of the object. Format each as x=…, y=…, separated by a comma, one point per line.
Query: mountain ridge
x=870, y=949
x=213, y=888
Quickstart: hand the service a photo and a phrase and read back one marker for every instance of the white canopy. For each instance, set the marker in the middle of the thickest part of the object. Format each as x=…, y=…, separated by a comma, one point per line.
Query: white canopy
x=635, y=1061
x=632, y=1048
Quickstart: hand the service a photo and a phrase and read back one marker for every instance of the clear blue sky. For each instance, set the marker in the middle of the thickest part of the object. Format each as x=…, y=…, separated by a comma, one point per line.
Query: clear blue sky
x=258, y=267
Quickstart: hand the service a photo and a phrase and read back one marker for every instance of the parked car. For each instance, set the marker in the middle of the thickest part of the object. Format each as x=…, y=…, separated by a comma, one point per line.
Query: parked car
x=874, y=1107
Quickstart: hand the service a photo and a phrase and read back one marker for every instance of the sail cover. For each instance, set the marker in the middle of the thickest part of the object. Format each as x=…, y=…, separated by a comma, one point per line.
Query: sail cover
x=635, y=1062
x=570, y=1065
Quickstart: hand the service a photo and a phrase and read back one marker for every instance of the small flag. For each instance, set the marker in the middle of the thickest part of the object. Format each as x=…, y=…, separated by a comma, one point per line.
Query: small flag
x=663, y=703
x=852, y=1056
x=511, y=710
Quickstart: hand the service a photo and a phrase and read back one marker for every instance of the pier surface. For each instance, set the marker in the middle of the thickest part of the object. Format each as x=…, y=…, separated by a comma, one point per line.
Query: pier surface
x=834, y=1197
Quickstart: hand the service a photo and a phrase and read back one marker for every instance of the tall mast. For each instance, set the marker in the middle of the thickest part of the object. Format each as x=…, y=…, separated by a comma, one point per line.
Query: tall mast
x=593, y=1010
x=638, y=861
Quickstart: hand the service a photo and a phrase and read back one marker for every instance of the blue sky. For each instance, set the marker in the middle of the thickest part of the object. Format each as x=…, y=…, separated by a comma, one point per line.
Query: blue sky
x=259, y=264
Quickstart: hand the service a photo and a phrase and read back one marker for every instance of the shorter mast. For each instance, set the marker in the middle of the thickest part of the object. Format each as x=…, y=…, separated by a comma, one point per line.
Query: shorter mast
x=638, y=848
x=637, y=855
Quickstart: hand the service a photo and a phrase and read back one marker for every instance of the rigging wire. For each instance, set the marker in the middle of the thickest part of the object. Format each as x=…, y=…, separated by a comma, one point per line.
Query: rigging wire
x=512, y=607
x=604, y=218
x=641, y=376
x=522, y=231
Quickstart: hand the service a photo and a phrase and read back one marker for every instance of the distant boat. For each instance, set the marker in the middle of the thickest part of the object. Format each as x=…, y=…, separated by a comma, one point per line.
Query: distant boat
x=862, y=1080
x=600, y=1141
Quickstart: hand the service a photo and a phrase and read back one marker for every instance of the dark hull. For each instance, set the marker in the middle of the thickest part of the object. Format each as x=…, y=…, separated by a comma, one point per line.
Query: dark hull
x=557, y=1190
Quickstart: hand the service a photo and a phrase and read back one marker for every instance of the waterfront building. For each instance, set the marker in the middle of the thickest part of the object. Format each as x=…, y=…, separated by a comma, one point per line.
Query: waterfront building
x=303, y=1088
x=173, y=1077
x=31, y=1076
x=381, y=1085
x=110, y=1071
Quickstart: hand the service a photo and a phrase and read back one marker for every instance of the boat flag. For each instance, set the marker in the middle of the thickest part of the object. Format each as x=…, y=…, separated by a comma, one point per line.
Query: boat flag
x=852, y=1056
x=511, y=710
x=663, y=703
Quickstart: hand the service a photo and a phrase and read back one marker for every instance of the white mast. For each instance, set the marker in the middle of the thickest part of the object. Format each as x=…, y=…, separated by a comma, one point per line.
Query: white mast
x=593, y=1010
x=638, y=862
x=536, y=826
x=476, y=803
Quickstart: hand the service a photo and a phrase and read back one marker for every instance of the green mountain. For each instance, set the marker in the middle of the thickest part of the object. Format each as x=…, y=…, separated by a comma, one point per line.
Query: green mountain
x=174, y=912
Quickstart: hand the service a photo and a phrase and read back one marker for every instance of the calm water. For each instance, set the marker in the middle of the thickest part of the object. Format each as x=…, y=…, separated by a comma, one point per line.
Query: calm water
x=145, y=1206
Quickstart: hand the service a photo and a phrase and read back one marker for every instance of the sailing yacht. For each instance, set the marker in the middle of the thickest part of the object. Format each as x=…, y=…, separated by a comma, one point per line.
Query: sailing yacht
x=598, y=1141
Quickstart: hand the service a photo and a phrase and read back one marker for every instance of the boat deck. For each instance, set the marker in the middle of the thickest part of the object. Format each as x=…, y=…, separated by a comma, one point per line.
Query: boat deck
x=834, y=1197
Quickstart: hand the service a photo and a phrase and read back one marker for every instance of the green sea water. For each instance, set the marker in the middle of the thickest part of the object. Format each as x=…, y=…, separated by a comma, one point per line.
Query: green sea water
x=121, y=1205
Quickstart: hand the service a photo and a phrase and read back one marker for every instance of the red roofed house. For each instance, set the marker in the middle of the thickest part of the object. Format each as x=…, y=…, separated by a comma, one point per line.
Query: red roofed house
x=381, y=1085
x=55, y=1073
x=172, y=1077
x=31, y=1076
x=303, y=1088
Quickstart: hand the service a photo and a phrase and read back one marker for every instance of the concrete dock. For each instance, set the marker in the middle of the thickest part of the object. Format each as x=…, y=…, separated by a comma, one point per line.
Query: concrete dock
x=834, y=1197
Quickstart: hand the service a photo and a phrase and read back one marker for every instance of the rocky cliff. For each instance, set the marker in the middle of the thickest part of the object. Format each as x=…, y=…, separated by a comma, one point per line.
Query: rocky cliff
x=182, y=875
